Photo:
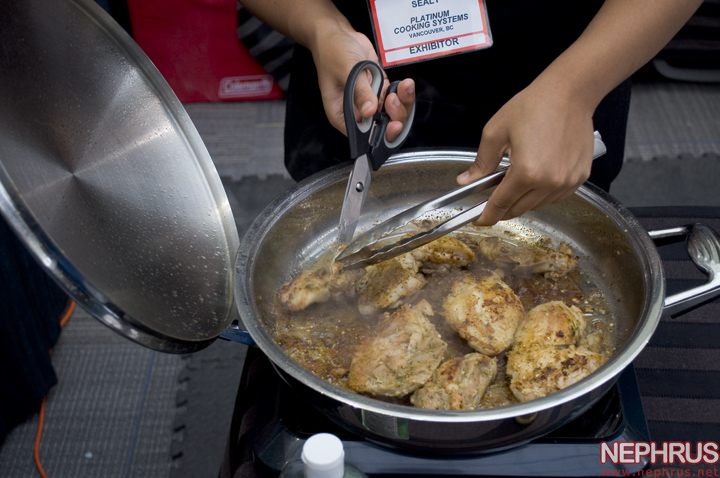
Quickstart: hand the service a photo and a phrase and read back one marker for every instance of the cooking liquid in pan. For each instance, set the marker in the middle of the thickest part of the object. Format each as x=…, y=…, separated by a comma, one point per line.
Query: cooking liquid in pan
x=322, y=337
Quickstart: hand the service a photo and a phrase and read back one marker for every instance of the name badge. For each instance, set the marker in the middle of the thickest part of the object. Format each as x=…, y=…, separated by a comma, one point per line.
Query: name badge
x=407, y=31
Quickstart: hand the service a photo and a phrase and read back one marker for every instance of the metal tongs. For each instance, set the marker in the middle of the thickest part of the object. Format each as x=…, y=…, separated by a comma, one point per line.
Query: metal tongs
x=361, y=253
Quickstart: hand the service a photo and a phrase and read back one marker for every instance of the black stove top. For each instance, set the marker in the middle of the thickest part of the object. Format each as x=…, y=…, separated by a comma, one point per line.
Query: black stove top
x=282, y=421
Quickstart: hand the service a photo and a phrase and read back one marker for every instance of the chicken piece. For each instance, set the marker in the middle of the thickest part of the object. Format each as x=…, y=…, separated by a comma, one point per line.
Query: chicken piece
x=344, y=281
x=317, y=286
x=443, y=254
x=309, y=287
x=458, y=384
x=553, y=264
x=545, y=369
x=551, y=323
x=545, y=357
x=401, y=357
x=387, y=284
x=485, y=312
x=315, y=351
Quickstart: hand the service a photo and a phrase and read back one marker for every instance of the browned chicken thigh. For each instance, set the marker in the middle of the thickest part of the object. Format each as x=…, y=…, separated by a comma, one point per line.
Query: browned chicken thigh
x=387, y=284
x=458, y=384
x=551, y=323
x=443, y=254
x=553, y=264
x=317, y=286
x=545, y=357
x=310, y=287
x=484, y=311
x=401, y=356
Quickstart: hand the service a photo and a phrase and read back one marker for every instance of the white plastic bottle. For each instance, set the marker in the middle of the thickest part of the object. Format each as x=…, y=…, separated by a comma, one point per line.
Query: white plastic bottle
x=323, y=456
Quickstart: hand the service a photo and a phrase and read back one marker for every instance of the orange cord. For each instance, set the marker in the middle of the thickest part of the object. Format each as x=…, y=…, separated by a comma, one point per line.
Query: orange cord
x=41, y=415
x=38, y=436
x=67, y=314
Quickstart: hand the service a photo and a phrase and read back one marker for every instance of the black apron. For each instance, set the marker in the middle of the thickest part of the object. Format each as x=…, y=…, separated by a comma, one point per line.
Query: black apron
x=29, y=326
x=457, y=95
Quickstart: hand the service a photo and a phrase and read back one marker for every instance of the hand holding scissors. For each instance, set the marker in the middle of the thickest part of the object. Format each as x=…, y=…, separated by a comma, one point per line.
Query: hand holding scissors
x=368, y=146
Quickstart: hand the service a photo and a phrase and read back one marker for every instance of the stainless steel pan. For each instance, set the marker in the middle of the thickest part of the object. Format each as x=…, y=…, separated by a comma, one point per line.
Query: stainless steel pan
x=298, y=229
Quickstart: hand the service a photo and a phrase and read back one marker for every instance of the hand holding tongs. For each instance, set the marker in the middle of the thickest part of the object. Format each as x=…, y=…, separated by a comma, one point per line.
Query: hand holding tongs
x=360, y=252
x=368, y=146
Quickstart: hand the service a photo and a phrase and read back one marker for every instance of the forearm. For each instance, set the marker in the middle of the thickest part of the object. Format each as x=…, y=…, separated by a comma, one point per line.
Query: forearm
x=304, y=21
x=623, y=36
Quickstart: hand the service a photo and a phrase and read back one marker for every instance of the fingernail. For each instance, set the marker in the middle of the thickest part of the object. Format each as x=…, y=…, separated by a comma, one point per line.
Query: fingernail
x=411, y=90
x=366, y=106
x=396, y=102
x=463, y=177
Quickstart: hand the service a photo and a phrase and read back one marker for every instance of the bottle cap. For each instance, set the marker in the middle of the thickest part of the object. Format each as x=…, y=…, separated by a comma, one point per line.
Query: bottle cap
x=324, y=456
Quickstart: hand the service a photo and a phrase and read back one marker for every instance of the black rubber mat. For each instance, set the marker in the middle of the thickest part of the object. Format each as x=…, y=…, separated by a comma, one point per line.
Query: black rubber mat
x=110, y=414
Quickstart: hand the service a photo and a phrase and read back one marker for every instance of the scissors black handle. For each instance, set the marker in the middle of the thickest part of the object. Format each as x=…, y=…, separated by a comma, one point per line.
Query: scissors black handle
x=368, y=136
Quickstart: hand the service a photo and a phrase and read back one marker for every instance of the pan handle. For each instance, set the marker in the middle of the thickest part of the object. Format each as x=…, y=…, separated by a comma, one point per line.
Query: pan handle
x=703, y=246
x=235, y=333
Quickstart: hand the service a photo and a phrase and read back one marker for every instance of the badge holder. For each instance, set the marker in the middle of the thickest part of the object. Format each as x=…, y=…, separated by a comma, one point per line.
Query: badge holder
x=409, y=31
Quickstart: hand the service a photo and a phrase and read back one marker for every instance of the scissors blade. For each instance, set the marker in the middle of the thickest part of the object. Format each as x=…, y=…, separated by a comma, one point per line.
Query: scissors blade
x=355, y=194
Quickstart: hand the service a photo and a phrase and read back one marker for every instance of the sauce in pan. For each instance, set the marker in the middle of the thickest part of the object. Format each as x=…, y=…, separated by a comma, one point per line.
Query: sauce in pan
x=323, y=337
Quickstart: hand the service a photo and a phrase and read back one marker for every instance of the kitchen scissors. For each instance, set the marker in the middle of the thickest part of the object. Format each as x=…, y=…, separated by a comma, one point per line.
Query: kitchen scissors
x=368, y=146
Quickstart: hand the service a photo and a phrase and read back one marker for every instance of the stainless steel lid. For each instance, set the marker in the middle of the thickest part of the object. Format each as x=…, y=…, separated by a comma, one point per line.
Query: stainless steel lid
x=106, y=180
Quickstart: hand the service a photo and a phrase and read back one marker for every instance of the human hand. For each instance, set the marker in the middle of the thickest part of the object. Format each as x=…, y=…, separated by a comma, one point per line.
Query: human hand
x=549, y=140
x=334, y=58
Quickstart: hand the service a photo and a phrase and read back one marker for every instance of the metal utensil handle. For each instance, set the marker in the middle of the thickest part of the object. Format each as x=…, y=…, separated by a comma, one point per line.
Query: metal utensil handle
x=480, y=185
x=703, y=245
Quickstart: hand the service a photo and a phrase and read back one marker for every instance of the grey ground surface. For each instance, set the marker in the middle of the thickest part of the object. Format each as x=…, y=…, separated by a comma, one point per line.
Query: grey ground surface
x=124, y=411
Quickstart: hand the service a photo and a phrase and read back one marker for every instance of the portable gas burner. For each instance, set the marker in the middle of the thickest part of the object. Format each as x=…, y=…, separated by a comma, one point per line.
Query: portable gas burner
x=282, y=421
